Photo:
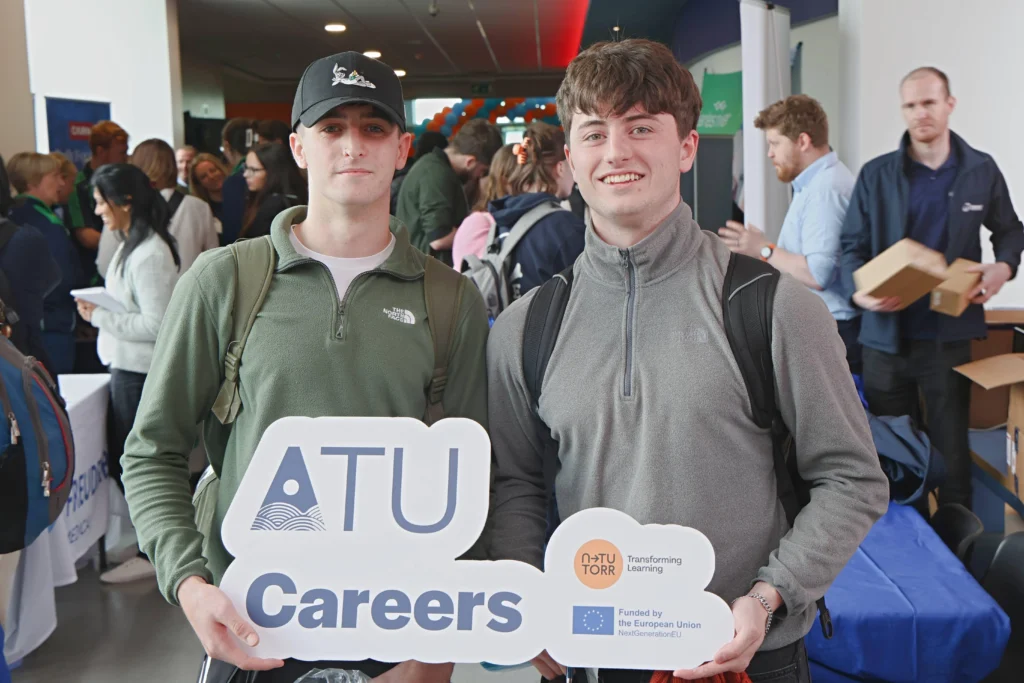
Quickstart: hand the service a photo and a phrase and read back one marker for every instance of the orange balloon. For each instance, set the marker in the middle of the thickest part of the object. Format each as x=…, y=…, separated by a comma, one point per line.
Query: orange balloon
x=493, y=117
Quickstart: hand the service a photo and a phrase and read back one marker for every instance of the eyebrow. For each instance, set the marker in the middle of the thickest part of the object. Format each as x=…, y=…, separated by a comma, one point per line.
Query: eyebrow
x=632, y=118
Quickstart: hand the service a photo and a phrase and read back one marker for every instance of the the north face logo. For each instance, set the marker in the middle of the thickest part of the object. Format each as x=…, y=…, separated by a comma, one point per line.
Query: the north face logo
x=400, y=315
x=291, y=503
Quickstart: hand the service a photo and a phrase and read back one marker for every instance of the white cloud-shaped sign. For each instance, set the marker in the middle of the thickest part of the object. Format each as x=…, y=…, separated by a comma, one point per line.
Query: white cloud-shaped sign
x=346, y=533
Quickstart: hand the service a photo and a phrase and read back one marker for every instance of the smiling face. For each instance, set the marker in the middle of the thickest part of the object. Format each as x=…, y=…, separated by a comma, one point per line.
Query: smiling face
x=209, y=176
x=351, y=155
x=628, y=167
x=114, y=217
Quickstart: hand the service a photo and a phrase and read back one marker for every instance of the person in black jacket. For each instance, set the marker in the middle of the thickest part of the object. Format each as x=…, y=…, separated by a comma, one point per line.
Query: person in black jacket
x=939, y=191
x=541, y=174
x=275, y=184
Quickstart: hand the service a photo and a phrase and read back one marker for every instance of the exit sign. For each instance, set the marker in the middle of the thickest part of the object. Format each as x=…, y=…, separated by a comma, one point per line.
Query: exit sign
x=480, y=88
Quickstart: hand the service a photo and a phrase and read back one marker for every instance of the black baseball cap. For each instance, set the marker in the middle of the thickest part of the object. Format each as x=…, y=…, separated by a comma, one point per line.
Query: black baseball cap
x=347, y=78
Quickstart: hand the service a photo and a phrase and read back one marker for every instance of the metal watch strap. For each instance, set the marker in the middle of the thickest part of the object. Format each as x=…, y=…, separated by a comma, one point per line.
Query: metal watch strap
x=767, y=608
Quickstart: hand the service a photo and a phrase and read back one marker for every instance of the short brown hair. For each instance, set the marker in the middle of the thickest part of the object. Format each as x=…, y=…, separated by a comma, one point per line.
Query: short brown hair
x=27, y=169
x=543, y=146
x=612, y=77
x=478, y=138
x=926, y=71
x=795, y=115
x=156, y=159
x=67, y=167
x=104, y=133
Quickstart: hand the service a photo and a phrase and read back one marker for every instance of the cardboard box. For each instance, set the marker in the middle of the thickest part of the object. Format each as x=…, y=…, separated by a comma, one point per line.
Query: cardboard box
x=907, y=269
x=1004, y=316
x=990, y=406
x=951, y=297
x=1005, y=371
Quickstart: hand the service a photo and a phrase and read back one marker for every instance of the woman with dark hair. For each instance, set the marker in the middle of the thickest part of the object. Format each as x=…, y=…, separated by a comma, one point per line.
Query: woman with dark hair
x=140, y=279
x=275, y=184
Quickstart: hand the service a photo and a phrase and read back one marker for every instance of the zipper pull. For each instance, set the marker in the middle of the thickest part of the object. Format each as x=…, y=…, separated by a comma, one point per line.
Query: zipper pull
x=46, y=480
x=15, y=432
x=624, y=258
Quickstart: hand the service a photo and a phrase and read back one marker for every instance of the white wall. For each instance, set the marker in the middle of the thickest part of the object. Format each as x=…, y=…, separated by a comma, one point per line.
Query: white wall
x=978, y=44
x=116, y=51
x=202, y=88
x=17, y=132
x=819, y=73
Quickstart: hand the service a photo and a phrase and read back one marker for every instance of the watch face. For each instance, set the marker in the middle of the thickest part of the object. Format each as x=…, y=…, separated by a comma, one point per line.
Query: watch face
x=766, y=252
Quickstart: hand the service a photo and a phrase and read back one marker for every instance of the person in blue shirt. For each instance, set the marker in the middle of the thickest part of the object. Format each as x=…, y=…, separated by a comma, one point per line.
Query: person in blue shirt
x=796, y=129
x=38, y=181
x=237, y=138
x=939, y=191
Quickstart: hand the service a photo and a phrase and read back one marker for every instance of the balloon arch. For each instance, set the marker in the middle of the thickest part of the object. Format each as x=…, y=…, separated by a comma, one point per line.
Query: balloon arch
x=449, y=120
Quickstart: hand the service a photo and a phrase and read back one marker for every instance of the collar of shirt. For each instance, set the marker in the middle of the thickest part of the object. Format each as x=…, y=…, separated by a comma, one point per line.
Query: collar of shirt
x=915, y=167
x=808, y=174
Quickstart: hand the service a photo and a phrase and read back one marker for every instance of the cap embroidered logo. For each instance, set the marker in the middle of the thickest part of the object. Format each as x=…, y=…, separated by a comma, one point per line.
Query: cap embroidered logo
x=354, y=78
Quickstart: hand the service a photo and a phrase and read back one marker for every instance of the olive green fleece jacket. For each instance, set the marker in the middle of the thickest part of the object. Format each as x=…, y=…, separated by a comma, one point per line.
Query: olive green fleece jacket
x=308, y=354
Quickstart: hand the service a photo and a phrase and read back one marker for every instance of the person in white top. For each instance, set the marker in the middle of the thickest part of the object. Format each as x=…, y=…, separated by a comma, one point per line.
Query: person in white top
x=192, y=225
x=142, y=274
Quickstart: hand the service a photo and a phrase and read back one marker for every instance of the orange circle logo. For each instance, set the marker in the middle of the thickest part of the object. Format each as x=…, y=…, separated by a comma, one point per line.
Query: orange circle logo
x=598, y=564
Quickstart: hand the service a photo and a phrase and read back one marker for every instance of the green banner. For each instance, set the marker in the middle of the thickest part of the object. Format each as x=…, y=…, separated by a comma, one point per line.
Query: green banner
x=722, y=113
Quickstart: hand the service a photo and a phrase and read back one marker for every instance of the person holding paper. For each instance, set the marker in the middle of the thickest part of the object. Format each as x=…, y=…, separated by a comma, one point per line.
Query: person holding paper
x=305, y=355
x=796, y=129
x=647, y=409
x=141, y=278
x=939, y=191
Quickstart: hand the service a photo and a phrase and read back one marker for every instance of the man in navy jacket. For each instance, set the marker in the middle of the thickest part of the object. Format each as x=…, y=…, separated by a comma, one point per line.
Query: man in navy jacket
x=939, y=191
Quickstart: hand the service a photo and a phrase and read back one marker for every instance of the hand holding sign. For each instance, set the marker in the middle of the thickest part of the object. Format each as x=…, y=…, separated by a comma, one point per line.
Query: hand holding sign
x=345, y=533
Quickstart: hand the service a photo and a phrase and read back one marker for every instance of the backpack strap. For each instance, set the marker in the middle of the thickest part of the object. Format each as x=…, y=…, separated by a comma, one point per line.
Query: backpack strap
x=255, y=261
x=442, y=292
x=177, y=197
x=748, y=299
x=521, y=227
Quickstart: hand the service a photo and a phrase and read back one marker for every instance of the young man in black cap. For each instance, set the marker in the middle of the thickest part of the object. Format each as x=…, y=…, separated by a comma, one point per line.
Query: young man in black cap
x=304, y=349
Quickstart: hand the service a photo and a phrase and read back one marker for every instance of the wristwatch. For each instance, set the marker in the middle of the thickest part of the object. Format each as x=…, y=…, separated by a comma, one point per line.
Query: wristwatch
x=767, y=608
x=767, y=251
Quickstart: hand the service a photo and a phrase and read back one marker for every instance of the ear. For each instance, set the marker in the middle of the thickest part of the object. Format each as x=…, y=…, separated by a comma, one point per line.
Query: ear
x=803, y=142
x=404, y=144
x=469, y=161
x=688, y=151
x=568, y=161
x=298, y=153
x=952, y=103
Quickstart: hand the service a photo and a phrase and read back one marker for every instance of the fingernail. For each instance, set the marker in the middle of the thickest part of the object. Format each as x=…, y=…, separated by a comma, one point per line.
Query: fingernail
x=251, y=640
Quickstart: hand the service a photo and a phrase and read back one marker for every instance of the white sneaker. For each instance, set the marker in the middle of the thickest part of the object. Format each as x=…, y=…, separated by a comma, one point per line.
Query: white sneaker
x=133, y=570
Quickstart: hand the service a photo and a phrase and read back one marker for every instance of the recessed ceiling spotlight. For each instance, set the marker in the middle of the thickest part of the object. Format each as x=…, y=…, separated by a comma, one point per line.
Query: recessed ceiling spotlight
x=616, y=28
x=400, y=72
x=335, y=28
x=372, y=54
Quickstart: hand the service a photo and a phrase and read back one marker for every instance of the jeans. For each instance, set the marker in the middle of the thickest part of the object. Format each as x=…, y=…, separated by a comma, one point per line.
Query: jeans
x=849, y=331
x=785, y=665
x=125, y=395
x=894, y=385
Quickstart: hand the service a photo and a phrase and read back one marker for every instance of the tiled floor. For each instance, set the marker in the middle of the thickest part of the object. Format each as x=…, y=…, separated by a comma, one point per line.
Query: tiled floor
x=123, y=634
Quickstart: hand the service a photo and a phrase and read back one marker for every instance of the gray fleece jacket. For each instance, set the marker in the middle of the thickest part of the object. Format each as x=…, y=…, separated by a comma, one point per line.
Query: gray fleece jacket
x=652, y=418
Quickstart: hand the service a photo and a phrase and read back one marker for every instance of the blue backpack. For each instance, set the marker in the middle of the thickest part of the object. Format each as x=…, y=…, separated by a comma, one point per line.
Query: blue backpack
x=37, y=453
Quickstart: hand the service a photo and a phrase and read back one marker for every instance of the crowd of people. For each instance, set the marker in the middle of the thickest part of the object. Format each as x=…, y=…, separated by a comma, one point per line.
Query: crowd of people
x=639, y=384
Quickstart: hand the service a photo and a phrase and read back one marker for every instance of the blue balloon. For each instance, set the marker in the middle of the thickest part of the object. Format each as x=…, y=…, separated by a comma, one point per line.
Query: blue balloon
x=452, y=118
x=446, y=131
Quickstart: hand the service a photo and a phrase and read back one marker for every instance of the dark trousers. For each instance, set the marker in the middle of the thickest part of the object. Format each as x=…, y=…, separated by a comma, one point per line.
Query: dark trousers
x=785, y=665
x=125, y=395
x=849, y=331
x=894, y=385
x=220, y=672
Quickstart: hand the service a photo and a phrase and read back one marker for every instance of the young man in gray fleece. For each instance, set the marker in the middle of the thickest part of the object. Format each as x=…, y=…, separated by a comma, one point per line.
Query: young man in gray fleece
x=644, y=397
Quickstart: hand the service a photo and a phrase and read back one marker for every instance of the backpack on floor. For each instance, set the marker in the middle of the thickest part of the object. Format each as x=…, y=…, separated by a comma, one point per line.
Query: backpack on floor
x=255, y=262
x=492, y=273
x=748, y=297
x=37, y=453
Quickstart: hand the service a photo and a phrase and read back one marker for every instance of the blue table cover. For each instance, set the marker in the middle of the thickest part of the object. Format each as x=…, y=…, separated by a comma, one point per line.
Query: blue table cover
x=905, y=609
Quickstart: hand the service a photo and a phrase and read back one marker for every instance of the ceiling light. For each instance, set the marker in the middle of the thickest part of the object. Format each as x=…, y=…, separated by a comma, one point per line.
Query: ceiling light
x=616, y=28
x=503, y=103
x=335, y=28
x=372, y=54
x=399, y=72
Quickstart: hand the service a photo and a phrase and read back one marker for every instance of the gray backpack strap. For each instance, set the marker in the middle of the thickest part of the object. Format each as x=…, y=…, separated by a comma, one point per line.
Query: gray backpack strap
x=442, y=291
x=255, y=261
x=523, y=225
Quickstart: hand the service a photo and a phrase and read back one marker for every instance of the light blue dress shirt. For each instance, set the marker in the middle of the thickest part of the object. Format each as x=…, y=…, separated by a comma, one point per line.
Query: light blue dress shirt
x=821, y=195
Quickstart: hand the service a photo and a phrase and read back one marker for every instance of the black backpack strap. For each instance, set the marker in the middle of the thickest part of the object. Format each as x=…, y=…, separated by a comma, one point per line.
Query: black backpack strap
x=748, y=298
x=543, y=323
x=177, y=197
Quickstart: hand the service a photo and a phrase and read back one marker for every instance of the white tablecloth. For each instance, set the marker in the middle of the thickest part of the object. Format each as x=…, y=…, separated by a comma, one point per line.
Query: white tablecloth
x=49, y=562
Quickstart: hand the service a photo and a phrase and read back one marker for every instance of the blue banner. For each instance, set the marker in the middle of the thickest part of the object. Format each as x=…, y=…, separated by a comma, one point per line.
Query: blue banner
x=69, y=122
